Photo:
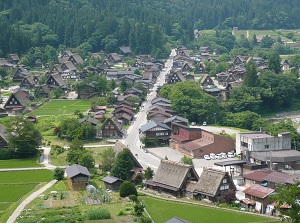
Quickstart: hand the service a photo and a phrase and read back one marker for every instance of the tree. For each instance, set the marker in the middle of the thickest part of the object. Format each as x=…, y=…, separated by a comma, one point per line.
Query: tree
x=23, y=137
x=288, y=195
x=123, y=85
x=274, y=62
x=187, y=160
x=122, y=165
x=107, y=158
x=149, y=173
x=230, y=196
x=266, y=42
x=250, y=79
x=58, y=173
x=127, y=188
x=133, y=198
x=58, y=92
x=139, y=209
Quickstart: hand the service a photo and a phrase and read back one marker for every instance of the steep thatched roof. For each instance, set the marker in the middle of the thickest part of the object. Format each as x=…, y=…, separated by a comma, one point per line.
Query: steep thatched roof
x=173, y=174
x=210, y=181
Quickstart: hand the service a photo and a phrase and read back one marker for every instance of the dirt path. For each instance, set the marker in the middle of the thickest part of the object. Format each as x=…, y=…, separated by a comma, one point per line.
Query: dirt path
x=30, y=198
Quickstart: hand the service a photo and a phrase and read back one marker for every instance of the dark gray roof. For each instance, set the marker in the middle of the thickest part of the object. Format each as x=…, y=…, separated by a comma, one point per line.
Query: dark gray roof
x=177, y=220
x=152, y=124
x=75, y=169
x=176, y=119
x=279, y=156
x=125, y=49
x=173, y=174
x=110, y=179
x=160, y=99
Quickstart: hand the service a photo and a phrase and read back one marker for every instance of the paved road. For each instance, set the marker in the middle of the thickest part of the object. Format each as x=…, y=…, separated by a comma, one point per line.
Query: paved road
x=30, y=198
x=132, y=138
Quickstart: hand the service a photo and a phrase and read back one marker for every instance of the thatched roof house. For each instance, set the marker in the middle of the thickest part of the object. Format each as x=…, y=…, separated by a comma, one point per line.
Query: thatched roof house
x=213, y=185
x=172, y=177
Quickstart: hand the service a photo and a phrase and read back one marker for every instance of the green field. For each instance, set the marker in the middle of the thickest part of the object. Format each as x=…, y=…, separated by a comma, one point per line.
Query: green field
x=13, y=192
x=62, y=107
x=4, y=206
x=161, y=211
x=25, y=176
x=19, y=163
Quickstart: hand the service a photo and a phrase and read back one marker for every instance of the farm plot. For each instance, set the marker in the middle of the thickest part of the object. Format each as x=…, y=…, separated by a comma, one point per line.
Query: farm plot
x=25, y=176
x=62, y=107
x=19, y=163
x=15, y=184
x=161, y=211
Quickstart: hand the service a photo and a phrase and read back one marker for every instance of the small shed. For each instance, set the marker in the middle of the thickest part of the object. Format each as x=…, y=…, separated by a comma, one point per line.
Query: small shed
x=78, y=176
x=112, y=183
x=177, y=220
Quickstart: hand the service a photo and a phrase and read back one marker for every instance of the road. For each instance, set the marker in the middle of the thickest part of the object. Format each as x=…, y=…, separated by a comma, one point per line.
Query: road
x=132, y=139
x=30, y=198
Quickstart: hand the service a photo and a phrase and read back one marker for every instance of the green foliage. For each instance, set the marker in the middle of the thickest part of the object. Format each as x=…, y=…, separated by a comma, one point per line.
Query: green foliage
x=266, y=42
x=274, y=62
x=187, y=160
x=98, y=213
x=127, y=188
x=107, y=158
x=149, y=173
x=122, y=165
x=288, y=195
x=77, y=154
x=23, y=137
x=58, y=173
x=139, y=209
x=56, y=150
x=133, y=198
x=250, y=78
x=246, y=120
x=192, y=103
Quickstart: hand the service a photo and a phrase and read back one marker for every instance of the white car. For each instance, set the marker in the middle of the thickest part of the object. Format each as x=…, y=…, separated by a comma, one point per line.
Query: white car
x=212, y=156
x=204, y=123
x=219, y=156
x=230, y=154
x=224, y=156
x=207, y=157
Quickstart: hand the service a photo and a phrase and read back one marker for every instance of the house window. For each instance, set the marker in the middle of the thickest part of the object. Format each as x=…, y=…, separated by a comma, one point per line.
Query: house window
x=16, y=102
x=266, y=146
x=10, y=102
x=159, y=134
x=106, y=127
x=112, y=127
x=224, y=187
x=224, y=181
x=166, y=133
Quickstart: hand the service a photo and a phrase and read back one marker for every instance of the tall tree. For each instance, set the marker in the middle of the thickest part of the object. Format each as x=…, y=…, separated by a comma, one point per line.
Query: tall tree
x=108, y=158
x=122, y=165
x=23, y=137
x=250, y=78
x=274, y=62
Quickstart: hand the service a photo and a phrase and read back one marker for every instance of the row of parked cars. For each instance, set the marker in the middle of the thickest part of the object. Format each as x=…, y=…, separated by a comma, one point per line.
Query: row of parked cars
x=219, y=156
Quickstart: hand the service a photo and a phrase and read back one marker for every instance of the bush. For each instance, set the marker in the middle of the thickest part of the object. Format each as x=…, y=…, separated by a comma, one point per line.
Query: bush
x=98, y=214
x=58, y=173
x=127, y=188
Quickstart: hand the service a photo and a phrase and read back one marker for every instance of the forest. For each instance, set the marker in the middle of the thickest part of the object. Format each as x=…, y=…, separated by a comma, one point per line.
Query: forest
x=145, y=25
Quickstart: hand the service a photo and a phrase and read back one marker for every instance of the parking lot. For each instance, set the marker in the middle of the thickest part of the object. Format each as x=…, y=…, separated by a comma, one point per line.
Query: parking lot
x=171, y=154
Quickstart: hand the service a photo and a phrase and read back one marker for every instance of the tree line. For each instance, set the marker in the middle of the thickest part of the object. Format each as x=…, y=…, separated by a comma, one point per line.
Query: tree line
x=146, y=26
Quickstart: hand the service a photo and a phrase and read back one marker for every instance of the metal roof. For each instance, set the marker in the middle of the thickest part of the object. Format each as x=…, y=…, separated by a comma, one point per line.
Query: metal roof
x=152, y=124
x=230, y=163
x=110, y=179
x=75, y=170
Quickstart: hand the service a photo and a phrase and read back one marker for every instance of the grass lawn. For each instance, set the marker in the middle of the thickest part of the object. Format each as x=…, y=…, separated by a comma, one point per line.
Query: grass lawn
x=13, y=192
x=60, y=107
x=19, y=163
x=25, y=176
x=4, y=206
x=161, y=211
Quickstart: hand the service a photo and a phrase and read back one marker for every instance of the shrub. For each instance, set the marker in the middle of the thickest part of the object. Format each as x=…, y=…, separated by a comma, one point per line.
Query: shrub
x=98, y=214
x=127, y=188
x=58, y=173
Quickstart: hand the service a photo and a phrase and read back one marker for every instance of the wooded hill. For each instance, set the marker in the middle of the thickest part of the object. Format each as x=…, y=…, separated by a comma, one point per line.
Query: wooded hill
x=108, y=24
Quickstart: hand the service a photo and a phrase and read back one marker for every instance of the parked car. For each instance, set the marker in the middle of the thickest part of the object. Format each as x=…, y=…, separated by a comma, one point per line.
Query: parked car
x=224, y=155
x=219, y=156
x=204, y=123
x=207, y=157
x=212, y=156
x=193, y=123
x=230, y=154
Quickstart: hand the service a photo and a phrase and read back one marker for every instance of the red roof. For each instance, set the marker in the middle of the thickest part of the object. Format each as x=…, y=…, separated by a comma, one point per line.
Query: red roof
x=197, y=144
x=257, y=175
x=258, y=191
x=180, y=138
x=277, y=177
